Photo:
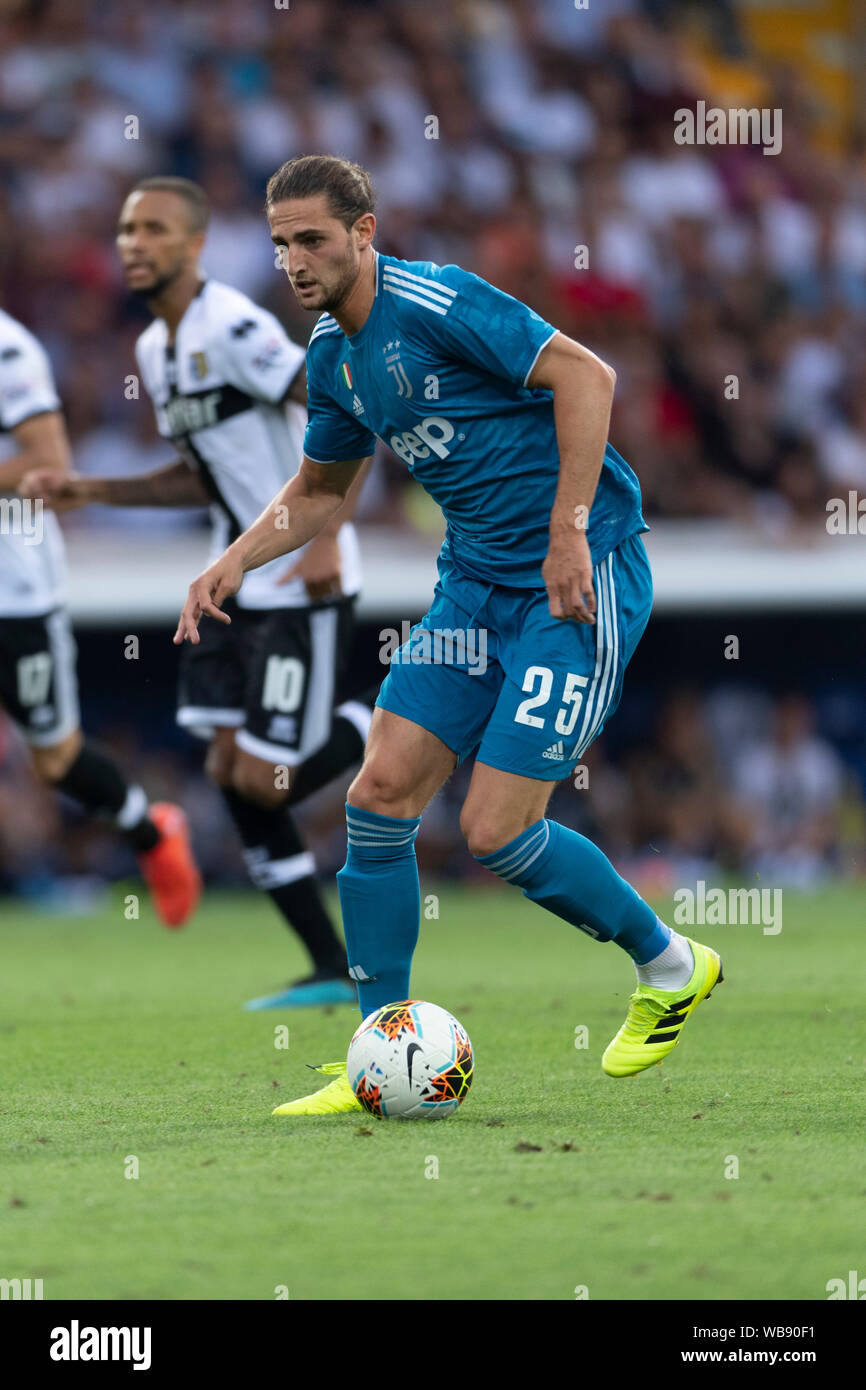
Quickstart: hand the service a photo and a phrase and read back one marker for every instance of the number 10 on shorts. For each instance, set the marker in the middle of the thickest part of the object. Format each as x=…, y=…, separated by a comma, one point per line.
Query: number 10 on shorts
x=284, y=684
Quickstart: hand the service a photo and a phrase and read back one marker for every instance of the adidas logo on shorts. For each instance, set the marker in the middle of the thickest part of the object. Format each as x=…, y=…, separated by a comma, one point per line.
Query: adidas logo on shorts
x=555, y=752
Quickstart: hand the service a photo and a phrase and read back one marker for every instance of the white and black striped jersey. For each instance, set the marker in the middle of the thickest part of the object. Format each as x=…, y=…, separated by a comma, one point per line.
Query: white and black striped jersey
x=218, y=392
x=32, y=555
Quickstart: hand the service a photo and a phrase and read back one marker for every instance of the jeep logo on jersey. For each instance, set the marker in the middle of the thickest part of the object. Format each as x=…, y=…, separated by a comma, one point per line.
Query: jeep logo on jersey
x=430, y=437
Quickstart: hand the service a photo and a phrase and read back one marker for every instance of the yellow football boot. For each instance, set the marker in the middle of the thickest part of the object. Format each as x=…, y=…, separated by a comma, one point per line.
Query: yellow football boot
x=333, y=1099
x=656, y=1016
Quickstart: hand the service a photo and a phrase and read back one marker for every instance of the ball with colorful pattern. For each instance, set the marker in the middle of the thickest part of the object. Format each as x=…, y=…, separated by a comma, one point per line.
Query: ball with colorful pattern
x=410, y=1059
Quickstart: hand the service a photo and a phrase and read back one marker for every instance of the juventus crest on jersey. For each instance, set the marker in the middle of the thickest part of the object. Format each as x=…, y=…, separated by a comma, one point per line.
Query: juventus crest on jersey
x=32, y=565
x=218, y=392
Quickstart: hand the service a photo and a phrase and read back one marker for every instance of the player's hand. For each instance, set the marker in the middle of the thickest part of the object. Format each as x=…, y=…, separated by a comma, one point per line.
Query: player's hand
x=62, y=492
x=319, y=567
x=567, y=575
x=205, y=596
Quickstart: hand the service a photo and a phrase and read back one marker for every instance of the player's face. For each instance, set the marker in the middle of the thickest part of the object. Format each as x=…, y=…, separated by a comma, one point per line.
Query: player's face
x=155, y=241
x=319, y=254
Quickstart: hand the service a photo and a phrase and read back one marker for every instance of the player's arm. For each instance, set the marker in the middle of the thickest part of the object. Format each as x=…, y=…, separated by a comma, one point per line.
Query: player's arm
x=582, y=387
x=304, y=506
x=297, y=393
x=320, y=566
x=262, y=373
x=491, y=330
x=266, y=363
x=41, y=443
x=175, y=485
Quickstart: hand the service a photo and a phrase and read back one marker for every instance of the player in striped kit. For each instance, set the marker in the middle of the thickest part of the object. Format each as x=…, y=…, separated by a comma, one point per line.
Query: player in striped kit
x=38, y=686
x=228, y=389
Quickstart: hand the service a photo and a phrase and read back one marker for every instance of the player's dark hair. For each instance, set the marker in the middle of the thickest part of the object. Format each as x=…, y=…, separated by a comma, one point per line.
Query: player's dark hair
x=347, y=186
x=193, y=195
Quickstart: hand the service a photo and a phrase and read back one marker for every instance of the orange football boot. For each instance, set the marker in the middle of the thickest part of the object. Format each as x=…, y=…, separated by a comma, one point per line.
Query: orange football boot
x=169, y=869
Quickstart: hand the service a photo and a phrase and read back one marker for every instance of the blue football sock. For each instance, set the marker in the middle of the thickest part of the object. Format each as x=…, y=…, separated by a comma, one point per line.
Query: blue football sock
x=381, y=901
x=569, y=875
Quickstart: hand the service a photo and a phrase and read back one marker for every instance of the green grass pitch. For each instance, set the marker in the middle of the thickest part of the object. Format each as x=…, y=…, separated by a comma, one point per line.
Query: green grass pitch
x=121, y=1041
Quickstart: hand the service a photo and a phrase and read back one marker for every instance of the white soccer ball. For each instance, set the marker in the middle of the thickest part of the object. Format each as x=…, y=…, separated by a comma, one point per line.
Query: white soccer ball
x=410, y=1059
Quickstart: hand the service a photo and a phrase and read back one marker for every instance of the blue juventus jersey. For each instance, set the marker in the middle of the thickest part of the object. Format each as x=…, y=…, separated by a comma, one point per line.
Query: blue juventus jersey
x=438, y=372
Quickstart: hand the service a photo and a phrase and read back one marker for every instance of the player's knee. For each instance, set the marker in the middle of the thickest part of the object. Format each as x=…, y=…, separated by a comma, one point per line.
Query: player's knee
x=52, y=764
x=483, y=834
x=220, y=760
x=378, y=788
x=258, y=781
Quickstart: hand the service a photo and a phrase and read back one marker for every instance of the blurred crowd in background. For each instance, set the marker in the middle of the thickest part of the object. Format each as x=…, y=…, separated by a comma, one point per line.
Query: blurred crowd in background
x=553, y=131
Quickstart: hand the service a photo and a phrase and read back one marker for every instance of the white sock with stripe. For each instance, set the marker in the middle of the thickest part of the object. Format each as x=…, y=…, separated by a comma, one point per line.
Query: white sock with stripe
x=672, y=969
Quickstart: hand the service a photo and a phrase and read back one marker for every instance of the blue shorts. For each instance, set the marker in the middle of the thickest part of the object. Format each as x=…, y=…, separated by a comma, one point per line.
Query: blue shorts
x=489, y=671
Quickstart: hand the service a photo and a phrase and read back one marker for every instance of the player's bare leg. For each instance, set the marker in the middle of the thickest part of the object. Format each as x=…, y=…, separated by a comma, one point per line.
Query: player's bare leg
x=500, y=805
x=404, y=766
x=265, y=783
x=52, y=763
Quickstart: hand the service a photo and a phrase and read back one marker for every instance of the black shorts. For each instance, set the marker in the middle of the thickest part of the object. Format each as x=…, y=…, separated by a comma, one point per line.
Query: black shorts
x=38, y=685
x=274, y=675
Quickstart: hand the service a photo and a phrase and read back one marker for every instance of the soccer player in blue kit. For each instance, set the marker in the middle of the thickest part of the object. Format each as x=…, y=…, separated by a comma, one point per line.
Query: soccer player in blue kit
x=503, y=420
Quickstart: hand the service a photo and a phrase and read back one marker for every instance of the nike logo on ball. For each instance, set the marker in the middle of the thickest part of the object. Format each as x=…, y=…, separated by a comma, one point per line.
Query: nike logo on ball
x=410, y=1052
